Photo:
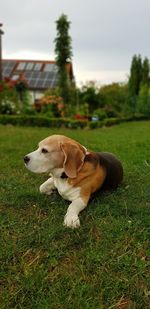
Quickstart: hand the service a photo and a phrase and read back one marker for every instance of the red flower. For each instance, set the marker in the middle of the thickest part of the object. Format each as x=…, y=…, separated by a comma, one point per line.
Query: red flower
x=80, y=117
x=7, y=79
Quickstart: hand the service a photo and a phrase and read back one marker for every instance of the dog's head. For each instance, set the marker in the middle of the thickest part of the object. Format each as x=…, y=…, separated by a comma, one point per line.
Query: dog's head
x=56, y=151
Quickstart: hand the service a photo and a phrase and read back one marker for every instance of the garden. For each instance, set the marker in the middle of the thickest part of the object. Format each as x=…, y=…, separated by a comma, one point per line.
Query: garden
x=89, y=106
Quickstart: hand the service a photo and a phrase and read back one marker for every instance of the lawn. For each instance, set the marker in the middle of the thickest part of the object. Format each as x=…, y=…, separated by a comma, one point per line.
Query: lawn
x=102, y=265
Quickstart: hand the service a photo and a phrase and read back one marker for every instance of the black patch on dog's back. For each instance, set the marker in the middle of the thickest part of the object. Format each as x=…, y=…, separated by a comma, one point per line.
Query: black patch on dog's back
x=113, y=167
x=92, y=158
x=114, y=170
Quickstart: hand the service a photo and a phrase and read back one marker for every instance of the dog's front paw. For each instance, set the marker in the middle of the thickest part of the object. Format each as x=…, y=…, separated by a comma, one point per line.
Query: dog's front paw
x=45, y=190
x=71, y=220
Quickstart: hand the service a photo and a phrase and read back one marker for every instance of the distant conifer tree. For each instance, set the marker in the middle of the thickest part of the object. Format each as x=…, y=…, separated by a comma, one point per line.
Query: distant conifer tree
x=134, y=82
x=146, y=72
x=135, y=75
x=63, y=50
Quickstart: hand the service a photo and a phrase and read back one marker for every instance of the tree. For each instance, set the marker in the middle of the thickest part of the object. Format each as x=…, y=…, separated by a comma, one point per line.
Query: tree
x=139, y=77
x=136, y=72
x=113, y=98
x=145, y=72
x=134, y=83
x=143, y=102
x=89, y=94
x=63, y=52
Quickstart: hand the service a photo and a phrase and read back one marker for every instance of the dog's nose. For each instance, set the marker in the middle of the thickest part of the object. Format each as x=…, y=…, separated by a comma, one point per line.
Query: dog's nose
x=26, y=159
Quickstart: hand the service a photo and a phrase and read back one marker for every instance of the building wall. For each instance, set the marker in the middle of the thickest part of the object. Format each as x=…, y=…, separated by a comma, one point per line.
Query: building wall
x=36, y=95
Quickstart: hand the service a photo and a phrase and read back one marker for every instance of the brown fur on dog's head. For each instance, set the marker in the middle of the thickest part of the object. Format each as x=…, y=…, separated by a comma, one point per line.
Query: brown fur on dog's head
x=74, y=158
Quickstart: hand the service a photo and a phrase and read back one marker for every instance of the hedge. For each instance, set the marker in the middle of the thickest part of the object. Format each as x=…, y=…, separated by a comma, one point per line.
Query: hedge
x=42, y=121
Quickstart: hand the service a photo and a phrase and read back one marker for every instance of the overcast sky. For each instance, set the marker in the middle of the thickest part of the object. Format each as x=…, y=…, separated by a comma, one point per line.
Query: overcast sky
x=105, y=33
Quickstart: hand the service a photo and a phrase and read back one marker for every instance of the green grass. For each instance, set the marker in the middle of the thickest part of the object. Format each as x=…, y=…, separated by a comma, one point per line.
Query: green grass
x=103, y=264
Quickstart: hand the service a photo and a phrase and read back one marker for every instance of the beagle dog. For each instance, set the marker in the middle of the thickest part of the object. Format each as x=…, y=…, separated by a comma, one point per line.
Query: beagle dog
x=74, y=171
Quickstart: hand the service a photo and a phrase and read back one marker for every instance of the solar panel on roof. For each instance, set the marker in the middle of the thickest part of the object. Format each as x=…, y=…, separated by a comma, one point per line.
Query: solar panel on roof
x=55, y=83
x=4, y=64
x=28, y=75
x=55, y=68
x=42, y=84
x=32, y=83
x=51, y=75
x=43, y=75
x=11, y=64
x=35, y=78
x=38, y=83
x=50, y=67
x=29, y=66
x=37, y=66
x=6, y=72
x=35, y=74
x=47, y=83
x=21, y=66
x=8, y=67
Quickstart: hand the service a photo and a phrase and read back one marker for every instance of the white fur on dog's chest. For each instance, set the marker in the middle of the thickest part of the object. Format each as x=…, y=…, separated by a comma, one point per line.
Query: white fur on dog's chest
x=66, y=190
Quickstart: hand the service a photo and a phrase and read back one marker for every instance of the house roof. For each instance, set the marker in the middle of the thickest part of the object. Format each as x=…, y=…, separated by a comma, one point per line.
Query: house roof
x=39, y=74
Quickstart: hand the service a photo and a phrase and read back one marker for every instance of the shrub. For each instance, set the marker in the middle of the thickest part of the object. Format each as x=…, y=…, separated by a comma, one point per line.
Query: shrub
x=111, y=121
x=96, y=124
x=100, y=113
x=52, y=103
x=77, y=124
x=7, y=106
x=49, y=110
x=9, y=102
x=30, y=111
x=41, y=121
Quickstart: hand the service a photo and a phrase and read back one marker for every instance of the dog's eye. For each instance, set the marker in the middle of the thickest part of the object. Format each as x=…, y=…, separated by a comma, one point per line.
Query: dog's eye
x=44, y=150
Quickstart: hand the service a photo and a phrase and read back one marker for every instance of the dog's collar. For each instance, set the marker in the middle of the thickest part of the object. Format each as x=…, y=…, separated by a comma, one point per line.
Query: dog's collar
x=63, y=176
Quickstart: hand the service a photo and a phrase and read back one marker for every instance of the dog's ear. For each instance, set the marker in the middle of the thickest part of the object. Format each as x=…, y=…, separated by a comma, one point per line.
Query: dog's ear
x=74, y=158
